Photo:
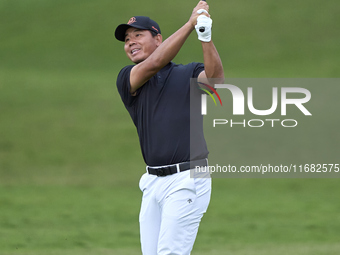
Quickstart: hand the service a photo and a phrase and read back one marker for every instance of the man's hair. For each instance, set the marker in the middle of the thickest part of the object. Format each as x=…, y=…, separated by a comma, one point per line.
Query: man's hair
x=153, y=33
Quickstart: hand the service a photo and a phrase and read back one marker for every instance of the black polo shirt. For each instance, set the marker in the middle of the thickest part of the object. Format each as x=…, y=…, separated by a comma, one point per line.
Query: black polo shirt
x=161, y=113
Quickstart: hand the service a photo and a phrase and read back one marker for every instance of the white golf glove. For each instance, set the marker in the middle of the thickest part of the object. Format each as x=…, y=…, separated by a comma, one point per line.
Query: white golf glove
x=203, y=27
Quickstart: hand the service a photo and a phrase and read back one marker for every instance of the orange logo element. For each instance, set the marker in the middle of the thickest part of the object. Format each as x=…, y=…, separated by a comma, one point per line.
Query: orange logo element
x=132, y=20
x=155, y=29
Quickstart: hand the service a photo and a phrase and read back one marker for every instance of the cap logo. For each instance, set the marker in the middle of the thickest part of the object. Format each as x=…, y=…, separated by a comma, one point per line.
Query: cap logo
x=132, y=20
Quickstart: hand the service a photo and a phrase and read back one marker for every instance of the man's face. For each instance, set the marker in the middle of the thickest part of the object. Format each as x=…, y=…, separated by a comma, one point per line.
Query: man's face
x=140, y=44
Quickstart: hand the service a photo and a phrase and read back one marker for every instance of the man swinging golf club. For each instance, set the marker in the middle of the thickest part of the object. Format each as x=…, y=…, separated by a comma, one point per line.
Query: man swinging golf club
x=156, y=93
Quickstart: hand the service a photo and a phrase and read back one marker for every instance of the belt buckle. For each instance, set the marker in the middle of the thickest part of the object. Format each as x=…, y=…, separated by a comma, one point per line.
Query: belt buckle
x=160, y=172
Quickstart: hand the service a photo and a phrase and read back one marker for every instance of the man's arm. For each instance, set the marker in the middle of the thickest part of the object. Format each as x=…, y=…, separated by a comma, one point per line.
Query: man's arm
x=213, y=67
x=164, y=53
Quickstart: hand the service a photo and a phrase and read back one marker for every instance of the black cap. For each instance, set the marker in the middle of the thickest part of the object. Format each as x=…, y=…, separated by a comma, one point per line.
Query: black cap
x=140, y=22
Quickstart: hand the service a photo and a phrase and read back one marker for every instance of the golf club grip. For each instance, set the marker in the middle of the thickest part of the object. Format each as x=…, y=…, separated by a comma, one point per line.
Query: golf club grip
x=202, y=29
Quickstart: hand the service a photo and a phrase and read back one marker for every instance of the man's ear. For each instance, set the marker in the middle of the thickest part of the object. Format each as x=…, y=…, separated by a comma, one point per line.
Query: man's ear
x=159, y=39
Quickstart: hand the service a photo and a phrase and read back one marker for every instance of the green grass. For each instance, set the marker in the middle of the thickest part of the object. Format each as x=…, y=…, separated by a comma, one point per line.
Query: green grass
x=69, y=155
x=247, y=216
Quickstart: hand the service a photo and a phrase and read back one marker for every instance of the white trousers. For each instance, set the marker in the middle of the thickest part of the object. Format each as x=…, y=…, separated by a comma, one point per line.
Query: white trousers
x=171, y=210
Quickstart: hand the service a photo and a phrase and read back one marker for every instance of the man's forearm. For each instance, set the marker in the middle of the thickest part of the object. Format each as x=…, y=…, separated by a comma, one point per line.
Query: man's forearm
x=170, y=47
x=212, y=62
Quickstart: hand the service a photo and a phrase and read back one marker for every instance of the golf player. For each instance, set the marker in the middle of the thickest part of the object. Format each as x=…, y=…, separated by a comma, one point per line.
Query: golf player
x=156, y=93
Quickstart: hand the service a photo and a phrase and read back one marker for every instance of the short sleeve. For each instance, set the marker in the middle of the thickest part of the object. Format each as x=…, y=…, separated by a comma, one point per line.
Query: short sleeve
x=124, y=86
x=198, y=68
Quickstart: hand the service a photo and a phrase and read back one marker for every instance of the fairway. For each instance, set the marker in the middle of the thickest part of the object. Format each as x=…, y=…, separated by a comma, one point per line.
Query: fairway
x=70, y=160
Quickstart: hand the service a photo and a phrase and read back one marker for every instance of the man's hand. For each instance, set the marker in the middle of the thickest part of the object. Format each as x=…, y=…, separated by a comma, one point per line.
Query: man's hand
x=201, y=5
x=203, y=28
